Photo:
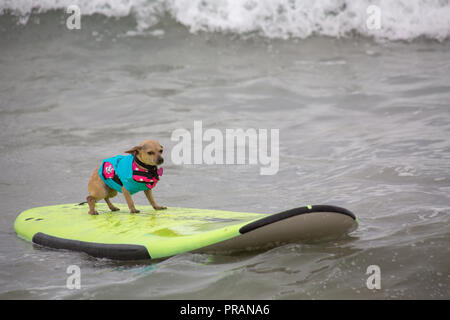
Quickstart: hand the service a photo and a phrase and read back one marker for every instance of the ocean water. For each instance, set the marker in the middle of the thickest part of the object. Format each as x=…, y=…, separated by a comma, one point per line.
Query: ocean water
x=363, y=117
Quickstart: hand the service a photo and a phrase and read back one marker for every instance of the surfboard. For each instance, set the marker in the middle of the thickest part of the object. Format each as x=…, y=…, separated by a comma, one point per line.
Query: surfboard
x=154, y=234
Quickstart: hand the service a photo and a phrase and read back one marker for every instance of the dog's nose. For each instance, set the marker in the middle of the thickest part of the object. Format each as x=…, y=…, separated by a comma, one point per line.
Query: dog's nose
x=160, y=160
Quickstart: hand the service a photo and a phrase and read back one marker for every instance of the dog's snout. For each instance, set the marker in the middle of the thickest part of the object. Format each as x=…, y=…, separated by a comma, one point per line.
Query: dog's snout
x=160, y=160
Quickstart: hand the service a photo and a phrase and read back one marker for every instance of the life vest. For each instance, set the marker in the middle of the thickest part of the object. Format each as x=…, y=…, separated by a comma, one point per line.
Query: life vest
x=123, y=171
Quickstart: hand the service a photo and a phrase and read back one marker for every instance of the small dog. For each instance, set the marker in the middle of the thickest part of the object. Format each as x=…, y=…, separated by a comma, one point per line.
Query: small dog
x=127, y=174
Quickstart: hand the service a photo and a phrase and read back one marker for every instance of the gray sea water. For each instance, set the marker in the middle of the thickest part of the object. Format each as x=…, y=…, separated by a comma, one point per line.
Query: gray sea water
x=363, y=124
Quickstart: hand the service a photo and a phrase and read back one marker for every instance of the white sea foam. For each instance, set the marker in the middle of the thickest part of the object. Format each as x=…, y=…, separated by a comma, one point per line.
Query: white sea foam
x=399, y=19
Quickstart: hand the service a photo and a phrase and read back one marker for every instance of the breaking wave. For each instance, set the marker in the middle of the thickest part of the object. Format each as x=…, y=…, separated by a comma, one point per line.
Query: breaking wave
x=379, y=19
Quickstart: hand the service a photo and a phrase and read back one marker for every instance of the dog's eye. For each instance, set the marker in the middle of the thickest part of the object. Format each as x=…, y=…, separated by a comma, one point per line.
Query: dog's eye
x=151, y=153
x=160, y=151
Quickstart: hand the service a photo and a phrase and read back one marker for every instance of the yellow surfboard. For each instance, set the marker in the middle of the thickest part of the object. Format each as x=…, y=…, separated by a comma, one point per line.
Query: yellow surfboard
x=154, y=234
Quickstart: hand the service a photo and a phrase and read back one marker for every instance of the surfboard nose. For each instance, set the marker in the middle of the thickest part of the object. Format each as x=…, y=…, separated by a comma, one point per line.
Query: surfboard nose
x=304, y=224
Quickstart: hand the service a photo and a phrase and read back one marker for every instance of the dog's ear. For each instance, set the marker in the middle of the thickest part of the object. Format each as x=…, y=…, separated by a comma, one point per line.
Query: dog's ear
x=134, y=150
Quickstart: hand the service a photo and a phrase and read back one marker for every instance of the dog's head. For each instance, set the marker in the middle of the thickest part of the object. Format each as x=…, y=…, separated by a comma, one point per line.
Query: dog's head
x=149, y=152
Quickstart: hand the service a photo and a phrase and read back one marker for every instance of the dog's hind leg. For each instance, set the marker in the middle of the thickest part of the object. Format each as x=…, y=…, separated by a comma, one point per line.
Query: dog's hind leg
x=111, y=194
x=91, y=202
x=97, y=191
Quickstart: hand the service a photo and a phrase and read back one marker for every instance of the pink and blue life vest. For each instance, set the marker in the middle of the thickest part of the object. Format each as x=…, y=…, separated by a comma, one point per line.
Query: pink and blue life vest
x=123, y=171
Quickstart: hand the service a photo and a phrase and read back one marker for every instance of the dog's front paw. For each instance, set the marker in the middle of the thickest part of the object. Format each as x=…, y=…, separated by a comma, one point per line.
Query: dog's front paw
x=159, y=208
x=134, y=211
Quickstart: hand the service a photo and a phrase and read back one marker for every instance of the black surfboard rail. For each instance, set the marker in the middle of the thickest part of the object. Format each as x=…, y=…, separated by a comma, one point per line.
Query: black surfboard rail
x=99, y=250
